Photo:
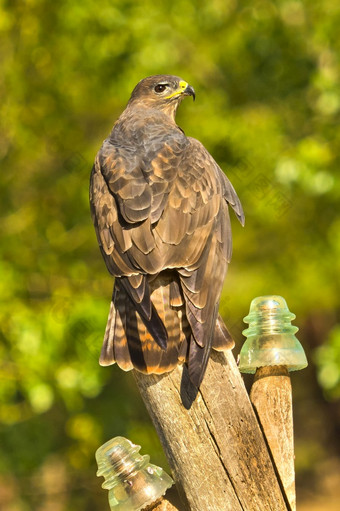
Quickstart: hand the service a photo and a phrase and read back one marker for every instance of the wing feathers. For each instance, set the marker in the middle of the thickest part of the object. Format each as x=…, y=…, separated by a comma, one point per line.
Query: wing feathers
x=107, y=353
x=143, y=238
x=222, y=338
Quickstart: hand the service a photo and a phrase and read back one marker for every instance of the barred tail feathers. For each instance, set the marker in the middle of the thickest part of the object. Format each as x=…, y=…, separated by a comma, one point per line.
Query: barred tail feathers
x=128, y=343
x=127, y=340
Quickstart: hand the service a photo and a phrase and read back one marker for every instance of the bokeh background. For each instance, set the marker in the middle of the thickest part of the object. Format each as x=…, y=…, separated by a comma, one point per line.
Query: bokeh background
x=266, y=75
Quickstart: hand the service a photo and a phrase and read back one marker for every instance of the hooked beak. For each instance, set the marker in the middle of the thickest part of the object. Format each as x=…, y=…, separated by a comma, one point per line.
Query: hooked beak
x=184, y=89
x=189, y=91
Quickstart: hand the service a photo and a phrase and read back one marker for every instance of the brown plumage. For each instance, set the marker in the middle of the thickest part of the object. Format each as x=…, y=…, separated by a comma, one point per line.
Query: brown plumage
x=159, y=204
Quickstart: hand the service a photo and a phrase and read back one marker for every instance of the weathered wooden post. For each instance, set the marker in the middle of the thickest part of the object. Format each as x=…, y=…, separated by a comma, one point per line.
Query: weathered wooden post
x=163, y=504
x=272, y=350
x=271, y=395
x=215, y=446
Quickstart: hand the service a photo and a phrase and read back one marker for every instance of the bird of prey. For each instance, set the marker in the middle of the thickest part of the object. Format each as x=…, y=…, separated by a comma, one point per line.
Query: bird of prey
x=159, y=204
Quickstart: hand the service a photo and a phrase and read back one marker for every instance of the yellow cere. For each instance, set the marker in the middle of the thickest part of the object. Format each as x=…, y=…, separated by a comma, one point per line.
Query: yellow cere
x=182, y=86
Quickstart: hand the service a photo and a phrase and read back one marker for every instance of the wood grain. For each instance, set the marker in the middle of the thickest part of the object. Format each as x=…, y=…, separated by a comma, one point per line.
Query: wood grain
x=162, y=504
x=271, y=395
x=212, y=440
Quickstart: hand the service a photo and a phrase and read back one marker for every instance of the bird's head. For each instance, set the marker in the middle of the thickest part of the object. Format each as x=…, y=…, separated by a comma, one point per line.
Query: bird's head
x=161, y=92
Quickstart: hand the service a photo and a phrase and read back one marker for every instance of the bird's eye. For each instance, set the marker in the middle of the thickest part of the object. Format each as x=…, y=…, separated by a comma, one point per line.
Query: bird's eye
x=160, y=87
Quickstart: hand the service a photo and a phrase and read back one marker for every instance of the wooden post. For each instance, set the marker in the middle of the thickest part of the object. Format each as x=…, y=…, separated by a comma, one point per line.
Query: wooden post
x=271, y=395
x=213, y=441
x=162, y=504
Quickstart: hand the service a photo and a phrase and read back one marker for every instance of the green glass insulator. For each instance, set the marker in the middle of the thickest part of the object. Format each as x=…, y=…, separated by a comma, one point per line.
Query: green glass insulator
x=270, y=337
x=132, y=481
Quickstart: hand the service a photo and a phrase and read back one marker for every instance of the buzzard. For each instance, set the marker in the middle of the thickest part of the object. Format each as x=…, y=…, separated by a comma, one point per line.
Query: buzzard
x=159, y=204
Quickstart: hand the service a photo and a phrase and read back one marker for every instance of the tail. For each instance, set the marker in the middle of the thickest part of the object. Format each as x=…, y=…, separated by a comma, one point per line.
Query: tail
x=128, y=342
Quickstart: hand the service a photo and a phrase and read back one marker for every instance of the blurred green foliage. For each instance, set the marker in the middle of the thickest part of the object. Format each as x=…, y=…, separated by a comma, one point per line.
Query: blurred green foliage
x=267, y=80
